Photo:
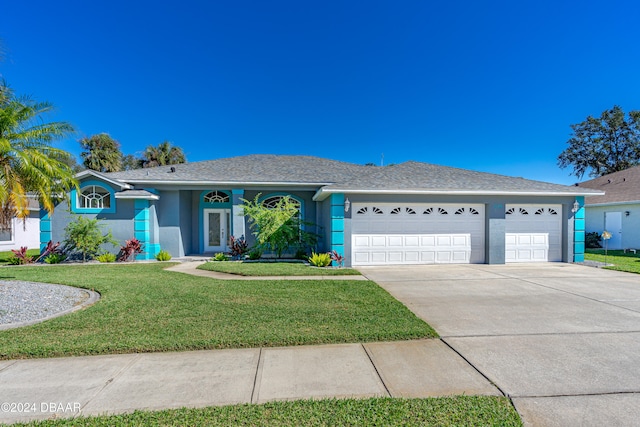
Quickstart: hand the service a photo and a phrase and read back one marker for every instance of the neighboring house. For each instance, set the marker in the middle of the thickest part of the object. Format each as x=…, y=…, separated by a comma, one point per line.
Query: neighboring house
x=618, y=210
x=410, y=213
x=23, y=232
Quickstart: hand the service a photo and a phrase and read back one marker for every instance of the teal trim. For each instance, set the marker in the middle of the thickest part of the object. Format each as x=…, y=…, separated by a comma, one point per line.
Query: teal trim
x=337, y=223
x=239, y=191
x=579, y=231
x=112, y=197
x=153, y=250
x=45, y=228
x=142, y=227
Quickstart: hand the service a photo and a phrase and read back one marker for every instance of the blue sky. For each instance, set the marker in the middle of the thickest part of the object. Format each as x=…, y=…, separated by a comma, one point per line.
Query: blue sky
x=490, y=86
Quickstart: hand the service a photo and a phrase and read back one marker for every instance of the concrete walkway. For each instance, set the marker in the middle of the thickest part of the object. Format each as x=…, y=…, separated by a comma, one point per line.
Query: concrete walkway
x=191, y=267
x=72, y=386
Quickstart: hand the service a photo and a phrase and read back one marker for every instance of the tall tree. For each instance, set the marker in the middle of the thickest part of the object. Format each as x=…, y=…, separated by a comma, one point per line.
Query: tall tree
x=101, y=153
x=28, y=161
x=163, y=154
x=605, y=144
x=130, y=162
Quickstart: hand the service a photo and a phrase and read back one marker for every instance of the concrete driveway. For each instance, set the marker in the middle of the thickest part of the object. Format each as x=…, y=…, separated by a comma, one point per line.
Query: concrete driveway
x=561, y=340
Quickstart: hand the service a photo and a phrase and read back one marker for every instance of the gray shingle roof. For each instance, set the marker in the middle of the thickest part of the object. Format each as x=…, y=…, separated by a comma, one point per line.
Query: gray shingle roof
x=619, y=187
x=335, y=175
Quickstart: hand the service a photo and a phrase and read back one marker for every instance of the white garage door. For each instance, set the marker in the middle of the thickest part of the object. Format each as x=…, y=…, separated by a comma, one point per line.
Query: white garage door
x=533, y=233
x=417, y=234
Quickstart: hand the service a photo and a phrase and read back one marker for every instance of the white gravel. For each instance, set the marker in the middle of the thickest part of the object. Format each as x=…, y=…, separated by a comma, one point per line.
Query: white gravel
x=22, y=302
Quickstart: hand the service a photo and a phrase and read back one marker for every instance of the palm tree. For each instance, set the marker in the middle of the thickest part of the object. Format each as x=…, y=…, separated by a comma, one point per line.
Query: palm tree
x=28, y=162
x=163, y=154
x=101, y=153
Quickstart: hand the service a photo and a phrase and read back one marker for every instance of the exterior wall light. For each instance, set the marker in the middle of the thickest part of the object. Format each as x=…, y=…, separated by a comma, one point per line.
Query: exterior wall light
x=347, y=204
x=576, y=207
x=627, y=213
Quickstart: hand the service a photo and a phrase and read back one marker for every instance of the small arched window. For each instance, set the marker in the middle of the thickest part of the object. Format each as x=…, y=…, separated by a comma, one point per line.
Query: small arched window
x=273, y=201
x=94, y=197
x=216, y=197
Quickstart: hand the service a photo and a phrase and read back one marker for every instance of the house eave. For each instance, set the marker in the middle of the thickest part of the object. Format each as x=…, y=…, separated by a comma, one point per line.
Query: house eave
x=145, y=197
x=631, y=202
x=89, y=172
x=143, y=182
x=323, y=193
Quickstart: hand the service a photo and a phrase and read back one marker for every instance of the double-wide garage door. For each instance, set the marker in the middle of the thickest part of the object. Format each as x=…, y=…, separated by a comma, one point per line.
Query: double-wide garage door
x=417, y=233
x=385, y=233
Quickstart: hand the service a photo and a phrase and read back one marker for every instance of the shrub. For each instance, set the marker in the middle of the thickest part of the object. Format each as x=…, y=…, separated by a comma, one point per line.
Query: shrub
x=85, y=236
x=131, y=248
x=163, y=256
x=338, y=258
x=220, y=257
x=592, y=240
x=50, y=249
x=238, y=247
x=106, y=257
x=20, y=256
x=278, y=228
x=320, y=260
x=255, y=253
x=54, y=258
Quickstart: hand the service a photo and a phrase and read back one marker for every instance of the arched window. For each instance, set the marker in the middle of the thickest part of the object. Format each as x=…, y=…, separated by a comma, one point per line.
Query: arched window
x=94, y=197
x=216, y=197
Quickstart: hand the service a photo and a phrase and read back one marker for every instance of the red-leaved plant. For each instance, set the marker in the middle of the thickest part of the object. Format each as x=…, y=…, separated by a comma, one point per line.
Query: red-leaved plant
x=335, y=256
x=131, y=248
x=51, y=248
x=21, y=256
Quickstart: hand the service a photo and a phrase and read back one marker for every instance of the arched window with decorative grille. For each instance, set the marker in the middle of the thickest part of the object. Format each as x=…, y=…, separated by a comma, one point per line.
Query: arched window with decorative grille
x=94, y=197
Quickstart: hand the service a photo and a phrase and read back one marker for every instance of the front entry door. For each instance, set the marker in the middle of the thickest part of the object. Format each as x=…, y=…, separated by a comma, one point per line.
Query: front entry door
x=216, y=229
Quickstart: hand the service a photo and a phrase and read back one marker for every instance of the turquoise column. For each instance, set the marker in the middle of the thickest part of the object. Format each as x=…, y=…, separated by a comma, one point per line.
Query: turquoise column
x=45, y=228
x=142, y=229
x=578, y=232
x=337, y=223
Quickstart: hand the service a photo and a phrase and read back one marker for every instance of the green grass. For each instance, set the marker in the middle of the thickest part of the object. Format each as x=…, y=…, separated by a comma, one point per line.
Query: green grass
x=275, y=269
x=442, y=411
x=5, y=255
x=621, y=261
x=146, y=309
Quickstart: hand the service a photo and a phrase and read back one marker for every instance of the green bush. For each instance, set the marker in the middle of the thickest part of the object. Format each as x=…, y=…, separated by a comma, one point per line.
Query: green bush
x=106, y=257
x=163, y=256
x=85, y=236
x=54, y=258
x=220, y=257
x=592, y=240
x=255, y=253
x=320, y=260
x=14, y=260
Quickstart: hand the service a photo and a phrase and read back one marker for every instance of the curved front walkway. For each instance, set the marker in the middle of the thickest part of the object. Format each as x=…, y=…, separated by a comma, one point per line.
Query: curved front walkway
x=191, y=267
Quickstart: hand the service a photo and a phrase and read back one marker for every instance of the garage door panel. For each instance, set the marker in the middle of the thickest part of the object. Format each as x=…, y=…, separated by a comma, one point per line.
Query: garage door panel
x=418, y=234
x=533, y=233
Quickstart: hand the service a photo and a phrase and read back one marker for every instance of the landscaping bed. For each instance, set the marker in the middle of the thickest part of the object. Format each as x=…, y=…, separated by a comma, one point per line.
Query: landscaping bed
x=273, y=268
x=440, y=411
x=620, y=260
x=146, y=309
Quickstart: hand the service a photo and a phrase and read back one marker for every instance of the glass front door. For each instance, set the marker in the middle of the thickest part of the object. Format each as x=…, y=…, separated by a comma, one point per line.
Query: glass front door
x=216, y=229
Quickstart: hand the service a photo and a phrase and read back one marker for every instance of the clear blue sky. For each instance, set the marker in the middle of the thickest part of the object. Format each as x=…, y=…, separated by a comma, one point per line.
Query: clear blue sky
x=490, y=86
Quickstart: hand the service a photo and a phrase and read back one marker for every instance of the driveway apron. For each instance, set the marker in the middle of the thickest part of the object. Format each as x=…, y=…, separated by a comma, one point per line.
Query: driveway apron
x=561, y=340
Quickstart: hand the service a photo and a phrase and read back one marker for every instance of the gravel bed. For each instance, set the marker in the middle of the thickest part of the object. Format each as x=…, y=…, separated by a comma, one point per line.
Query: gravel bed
x=28, y=301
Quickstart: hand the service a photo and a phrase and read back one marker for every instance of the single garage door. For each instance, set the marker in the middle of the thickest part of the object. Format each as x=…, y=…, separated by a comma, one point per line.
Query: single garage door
x=533, y=233
x=417, y=234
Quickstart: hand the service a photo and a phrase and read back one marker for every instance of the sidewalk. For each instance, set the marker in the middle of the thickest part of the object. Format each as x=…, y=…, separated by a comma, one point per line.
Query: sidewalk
x=92, y=385
x=190, y=267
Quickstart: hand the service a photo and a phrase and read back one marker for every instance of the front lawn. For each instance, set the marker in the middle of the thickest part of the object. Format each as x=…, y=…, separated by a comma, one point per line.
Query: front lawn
x=441, y=411
x=621, y=261
x=274, y=269
x=145, y=309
